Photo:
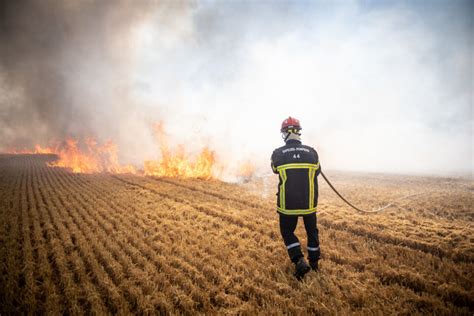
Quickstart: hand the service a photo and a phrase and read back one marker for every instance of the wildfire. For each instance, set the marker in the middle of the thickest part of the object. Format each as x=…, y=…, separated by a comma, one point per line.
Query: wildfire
x=89, y=158
x=179, y=164
x=38, y=150
x=93, y=159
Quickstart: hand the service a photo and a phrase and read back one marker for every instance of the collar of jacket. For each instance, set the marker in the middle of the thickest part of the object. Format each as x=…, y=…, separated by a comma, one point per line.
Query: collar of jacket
x=293, y=141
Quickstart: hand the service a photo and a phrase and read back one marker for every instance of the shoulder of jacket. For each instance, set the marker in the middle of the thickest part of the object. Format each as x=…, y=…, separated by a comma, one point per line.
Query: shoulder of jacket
x=307, y=146
x=279, y=148
x=278, y=151
x=311, y=148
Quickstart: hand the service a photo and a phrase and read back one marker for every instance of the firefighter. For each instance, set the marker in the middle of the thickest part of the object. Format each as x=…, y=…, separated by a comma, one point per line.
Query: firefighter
x=298, y=167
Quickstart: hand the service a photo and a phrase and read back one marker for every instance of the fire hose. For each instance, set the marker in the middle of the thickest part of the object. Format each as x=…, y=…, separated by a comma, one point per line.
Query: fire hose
x=365, y=211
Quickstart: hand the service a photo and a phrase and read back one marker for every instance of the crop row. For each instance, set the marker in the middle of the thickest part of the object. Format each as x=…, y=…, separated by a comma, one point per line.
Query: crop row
x=74, y=243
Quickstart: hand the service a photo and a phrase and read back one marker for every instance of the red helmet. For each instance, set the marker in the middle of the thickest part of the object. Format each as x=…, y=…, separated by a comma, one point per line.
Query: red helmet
x=290, y=125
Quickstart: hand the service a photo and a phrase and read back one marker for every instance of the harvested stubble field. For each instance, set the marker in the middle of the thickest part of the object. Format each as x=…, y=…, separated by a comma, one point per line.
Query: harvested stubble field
x=77, y=243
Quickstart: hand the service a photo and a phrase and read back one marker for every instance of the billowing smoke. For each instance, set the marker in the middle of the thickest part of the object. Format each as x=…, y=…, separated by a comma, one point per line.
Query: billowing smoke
x=67, y=70
x=378, y=87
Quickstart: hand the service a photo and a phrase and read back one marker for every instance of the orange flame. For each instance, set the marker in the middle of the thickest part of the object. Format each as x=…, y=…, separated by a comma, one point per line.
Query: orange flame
x=179, y=164
x=38, y=150
x=93, y=159
x=90, y=157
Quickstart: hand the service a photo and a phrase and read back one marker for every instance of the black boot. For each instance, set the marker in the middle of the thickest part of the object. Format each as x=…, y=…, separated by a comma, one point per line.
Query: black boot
x=301, y=268
x=314, y=265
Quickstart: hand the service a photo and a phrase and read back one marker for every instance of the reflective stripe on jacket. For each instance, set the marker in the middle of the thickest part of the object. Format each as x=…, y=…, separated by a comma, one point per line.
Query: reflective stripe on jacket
x=298, y=167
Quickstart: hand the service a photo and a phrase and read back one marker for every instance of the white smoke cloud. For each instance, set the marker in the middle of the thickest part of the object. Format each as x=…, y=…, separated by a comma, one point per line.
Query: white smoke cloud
x=378, y=87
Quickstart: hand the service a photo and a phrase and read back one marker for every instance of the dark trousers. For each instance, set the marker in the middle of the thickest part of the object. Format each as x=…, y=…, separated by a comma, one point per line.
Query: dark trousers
x=287, y=228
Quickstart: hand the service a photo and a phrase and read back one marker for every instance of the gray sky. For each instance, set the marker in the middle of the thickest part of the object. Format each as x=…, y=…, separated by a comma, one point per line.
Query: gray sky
x=377, y=85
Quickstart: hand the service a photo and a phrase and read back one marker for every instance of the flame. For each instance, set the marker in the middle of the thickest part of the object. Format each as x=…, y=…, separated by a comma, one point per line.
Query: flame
x=89, y=156
x=94, y=158
x=38, y=150
x=179, y=164
x=41, y=150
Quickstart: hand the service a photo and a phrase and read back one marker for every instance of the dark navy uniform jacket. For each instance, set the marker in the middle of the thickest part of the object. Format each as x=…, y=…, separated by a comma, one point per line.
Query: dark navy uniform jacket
x=298, y=168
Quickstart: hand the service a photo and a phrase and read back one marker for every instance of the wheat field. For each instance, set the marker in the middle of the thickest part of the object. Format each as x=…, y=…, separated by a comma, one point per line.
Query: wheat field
x=120, y=244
